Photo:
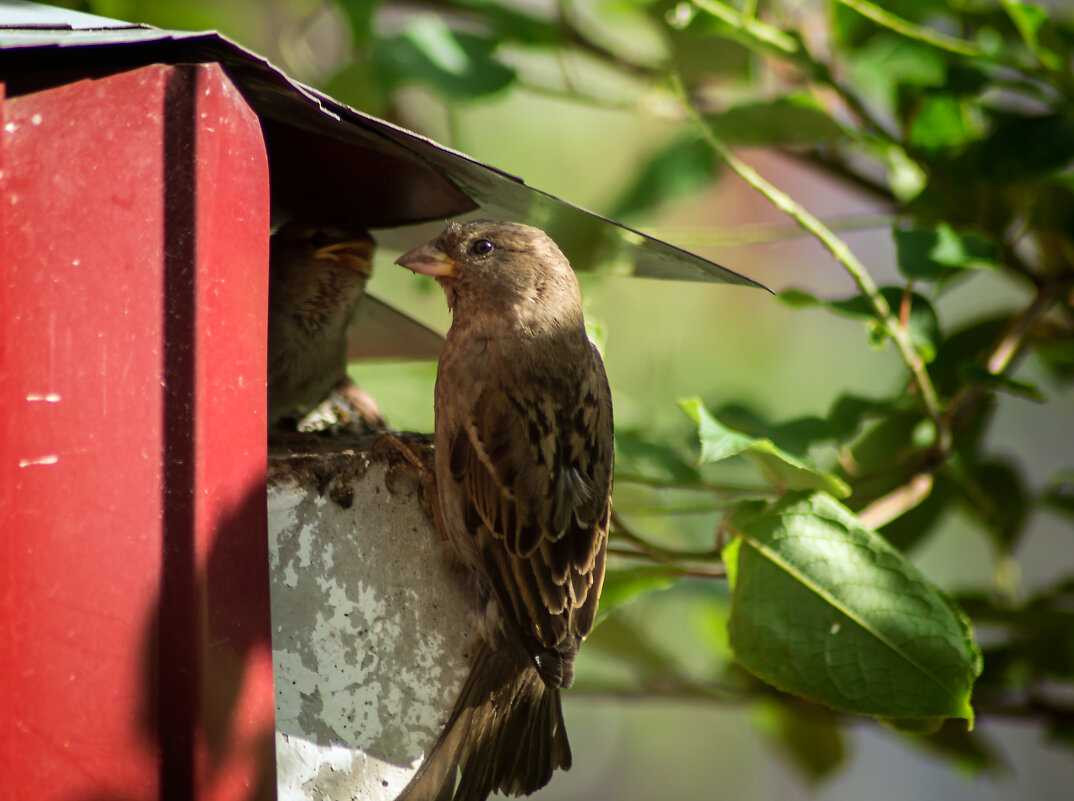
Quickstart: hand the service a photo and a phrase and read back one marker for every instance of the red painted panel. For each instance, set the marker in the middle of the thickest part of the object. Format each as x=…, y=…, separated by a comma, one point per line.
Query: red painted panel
x=236, y=755
x=133, y=589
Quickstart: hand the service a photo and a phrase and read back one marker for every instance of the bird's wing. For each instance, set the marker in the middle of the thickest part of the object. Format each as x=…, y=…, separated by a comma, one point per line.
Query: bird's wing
x=534, y=471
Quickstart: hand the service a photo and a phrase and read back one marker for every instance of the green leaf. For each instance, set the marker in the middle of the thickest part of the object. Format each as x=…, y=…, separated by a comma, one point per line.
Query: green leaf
x=887, y=63
x=928, y=253
x=978, y=375
x=923, y=323
x=455, y=64
x=513, y=24
x=943, y=121
x=795, y=436
x=791, y=120
x=636, y=454
x=967, y=345
x=686, y=164
x=825, y=609
x=848, y=413
x=359, y=15
x=1034, y=27
x=778, y=468
x=917, y=726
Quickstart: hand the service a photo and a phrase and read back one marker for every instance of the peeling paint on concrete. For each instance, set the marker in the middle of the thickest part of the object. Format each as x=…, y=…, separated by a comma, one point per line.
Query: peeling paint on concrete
x=369, y=628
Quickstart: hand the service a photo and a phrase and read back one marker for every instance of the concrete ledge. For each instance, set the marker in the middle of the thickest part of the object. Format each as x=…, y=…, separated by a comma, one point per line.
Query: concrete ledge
x=369, y=629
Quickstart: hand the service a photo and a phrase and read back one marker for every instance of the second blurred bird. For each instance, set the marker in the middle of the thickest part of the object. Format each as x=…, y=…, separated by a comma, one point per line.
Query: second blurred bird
x=317, y=277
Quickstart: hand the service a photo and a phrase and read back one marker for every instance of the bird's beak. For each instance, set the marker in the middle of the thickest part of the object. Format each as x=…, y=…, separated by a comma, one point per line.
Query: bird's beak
x=428, y=260
x=354, y=253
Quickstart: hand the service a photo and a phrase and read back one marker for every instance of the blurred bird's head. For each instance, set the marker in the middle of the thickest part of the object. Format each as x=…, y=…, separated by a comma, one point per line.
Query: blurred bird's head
x=301, y=245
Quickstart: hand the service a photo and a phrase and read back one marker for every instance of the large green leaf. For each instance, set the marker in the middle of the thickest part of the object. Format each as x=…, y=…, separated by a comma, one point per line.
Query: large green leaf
x=823, y=608
x=778, y=467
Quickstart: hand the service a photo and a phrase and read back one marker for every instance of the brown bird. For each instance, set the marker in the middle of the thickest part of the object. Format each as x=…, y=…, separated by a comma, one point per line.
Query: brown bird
x=317, y=276
x=524, y=452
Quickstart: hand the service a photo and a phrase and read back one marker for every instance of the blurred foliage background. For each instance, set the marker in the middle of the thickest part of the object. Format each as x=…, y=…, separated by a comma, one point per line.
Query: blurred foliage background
x=936, y=139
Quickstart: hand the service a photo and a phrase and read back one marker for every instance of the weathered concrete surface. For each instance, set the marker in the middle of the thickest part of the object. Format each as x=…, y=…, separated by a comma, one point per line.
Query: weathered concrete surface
x=369, y=628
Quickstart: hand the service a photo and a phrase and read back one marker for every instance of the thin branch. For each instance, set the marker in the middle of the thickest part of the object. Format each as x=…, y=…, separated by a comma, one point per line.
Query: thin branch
x=1022, y=705
x=765, y=233
x=762, y=33
x=659, y=553
x=726, y=491
x=911, y=30
x=775, y=43
x=678, y=571
x=896, y=503
x=1006, y=350
x=842, y=253
x=840, y=170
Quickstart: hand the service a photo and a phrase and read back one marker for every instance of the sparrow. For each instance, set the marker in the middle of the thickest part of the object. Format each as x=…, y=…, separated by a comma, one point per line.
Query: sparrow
x=523, y=476
x=317, y=277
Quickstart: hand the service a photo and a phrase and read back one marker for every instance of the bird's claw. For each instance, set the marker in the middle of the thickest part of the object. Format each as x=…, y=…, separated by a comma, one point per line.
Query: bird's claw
x=413, y=463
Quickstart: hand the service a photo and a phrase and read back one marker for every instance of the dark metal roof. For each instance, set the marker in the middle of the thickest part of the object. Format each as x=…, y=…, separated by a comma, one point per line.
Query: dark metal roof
x=327, y=158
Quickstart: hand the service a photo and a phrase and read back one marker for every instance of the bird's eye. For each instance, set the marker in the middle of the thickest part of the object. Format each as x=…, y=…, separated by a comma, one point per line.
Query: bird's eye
x=318, y=239
x=482, y=247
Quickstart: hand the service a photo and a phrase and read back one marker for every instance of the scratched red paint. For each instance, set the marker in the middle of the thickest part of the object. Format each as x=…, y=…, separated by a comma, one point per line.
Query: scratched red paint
x=133, y=589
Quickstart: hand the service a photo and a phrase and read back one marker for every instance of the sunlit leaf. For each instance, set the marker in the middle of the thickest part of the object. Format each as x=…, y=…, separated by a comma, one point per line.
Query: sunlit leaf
x=823, y=608
x=778, y=468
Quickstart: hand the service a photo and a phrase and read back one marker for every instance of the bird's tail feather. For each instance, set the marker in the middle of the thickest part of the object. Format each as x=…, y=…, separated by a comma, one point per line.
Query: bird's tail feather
x=505, y=734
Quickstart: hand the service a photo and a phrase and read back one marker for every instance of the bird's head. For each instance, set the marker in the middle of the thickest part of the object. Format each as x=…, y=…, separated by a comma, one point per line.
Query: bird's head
x=306, y=245
x=501, y=269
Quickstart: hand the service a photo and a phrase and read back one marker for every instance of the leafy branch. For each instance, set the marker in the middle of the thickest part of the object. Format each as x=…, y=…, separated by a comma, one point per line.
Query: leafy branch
x=891, y=324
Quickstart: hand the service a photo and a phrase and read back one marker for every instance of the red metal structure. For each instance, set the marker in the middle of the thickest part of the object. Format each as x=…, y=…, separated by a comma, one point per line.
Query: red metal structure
x=135, y=660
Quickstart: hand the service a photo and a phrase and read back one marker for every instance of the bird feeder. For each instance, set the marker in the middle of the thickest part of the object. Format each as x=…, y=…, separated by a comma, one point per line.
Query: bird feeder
x=146, y=595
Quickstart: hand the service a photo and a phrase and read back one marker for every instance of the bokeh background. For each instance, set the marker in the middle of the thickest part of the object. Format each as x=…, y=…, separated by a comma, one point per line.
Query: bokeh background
x=570, y=124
